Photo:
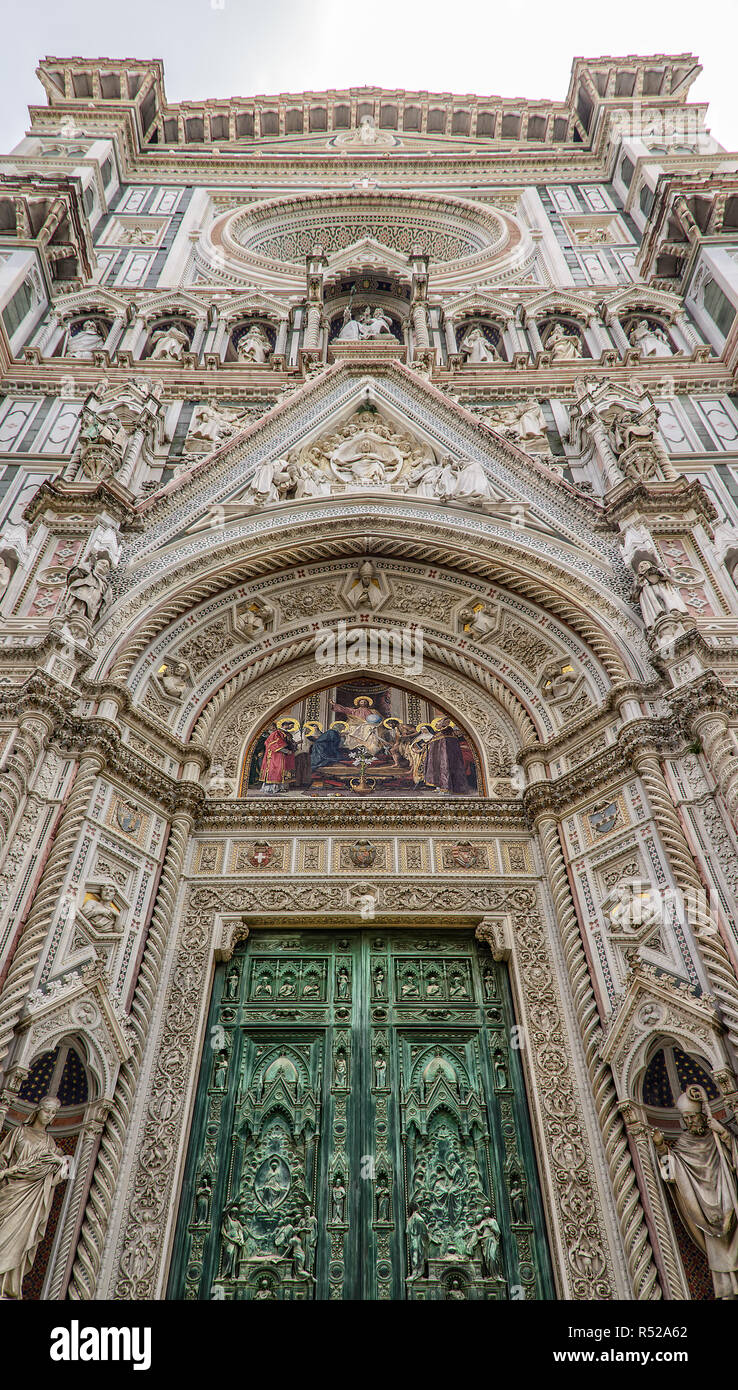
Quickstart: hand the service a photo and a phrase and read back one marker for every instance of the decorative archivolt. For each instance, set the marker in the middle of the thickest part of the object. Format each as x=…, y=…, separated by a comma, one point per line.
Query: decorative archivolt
x=143, y=616
x=271, y=623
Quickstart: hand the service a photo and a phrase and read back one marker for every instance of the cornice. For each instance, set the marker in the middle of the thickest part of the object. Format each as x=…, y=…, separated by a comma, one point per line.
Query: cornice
x=451, y=814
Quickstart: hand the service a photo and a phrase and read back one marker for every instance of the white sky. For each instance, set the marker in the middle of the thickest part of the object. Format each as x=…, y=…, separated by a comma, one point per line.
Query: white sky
x=222, y=48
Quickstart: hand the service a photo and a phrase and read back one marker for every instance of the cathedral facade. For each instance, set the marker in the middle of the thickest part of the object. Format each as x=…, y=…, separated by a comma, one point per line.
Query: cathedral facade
x=368, y=713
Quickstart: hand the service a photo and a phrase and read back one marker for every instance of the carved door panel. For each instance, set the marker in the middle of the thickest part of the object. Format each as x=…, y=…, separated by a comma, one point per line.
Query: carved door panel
x=360, y=1127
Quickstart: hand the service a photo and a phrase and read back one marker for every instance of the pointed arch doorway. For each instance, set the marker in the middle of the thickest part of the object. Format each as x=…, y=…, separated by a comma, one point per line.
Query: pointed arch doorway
x=360, y=1127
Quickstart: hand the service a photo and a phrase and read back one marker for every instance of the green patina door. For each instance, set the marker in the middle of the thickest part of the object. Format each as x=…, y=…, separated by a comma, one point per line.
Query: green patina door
x=360, y=1129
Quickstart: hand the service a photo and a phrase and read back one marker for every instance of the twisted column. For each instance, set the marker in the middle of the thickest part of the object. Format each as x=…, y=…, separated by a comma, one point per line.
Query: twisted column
x=631, y=1218
x=25, y=755
x=92, y=1128
x=420, y=326
x=88, y=1257
x=313, y=326
x=25, y=958
x=711, y=728
x=706, y=931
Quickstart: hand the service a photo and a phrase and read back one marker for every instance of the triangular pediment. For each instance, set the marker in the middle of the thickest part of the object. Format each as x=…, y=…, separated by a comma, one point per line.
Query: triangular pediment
x=231, y=481
x=367, y=253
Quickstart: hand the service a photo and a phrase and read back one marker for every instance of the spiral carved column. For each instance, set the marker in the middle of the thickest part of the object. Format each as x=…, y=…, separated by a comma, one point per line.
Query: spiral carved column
x=102, y=1191
x=636, y=1242
x=25, y=959
x=24, y=757
x=718, y=964
x=712, y=728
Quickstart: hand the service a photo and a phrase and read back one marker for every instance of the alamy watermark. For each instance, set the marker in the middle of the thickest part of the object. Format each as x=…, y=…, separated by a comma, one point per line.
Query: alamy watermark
x=359, y=646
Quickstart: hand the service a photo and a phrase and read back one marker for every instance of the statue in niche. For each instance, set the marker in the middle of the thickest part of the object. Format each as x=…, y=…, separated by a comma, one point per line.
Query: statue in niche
x=373, y=323
x=417, y=1243
x=656, y=593
x=6, y=574
x=31, y=1166
x=651, y=341
x=562, y=345
x=487, y=1237
x=234, y=1241
x=309, y=1232
x=232, y=979
x=365, y=591
x=100, y=912
x=500, y=1070
x=517, y=1201
x=456, y=1291
x=254, y=346
x=474, y=347
x=701, y=1167
x=83, y=344
x=173, y=678
x=264, y=1290
x=478, y=620
x=383, y=1198
x=169, y=344
x=203, y=1198
x=87, y=588
x=376, y=323
x=220, y=1069
x=340, y=1072
x=350, y=328
x=338, y=1199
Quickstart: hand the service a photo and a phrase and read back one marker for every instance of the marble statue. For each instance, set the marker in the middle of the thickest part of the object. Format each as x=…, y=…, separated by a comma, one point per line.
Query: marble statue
x=364, y=592
x=375, y=322
x=656, y=593
x=169, y=345
x=701, y=1168
x=212, y=422
x=470, y=484
x=85, y=343
x=523, y=420
x=100, y=911
x=652, y=342
x=254, y=346
x=475, y=348
x=270, y=482
x=478, y=621
x=308, y=480
x=87, y=587
x=173, y=678
x=350, y=329
x=31, y=1166
x=563, y=346
x=6, y=574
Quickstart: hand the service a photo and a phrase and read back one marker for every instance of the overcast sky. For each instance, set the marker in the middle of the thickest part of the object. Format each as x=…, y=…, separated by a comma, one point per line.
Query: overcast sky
x=222, y=48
